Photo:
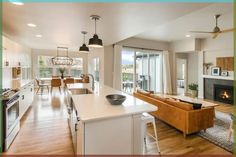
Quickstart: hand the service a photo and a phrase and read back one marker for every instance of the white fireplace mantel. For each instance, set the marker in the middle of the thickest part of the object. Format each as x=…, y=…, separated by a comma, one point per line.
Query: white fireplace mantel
x=219, y=77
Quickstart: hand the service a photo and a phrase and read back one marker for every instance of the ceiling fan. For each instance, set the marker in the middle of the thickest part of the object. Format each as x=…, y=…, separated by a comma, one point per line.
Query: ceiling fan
x=216, y=31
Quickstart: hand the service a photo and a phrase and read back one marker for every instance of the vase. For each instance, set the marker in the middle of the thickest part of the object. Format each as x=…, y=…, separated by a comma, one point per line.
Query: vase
x=193, y=93
x=62, y=76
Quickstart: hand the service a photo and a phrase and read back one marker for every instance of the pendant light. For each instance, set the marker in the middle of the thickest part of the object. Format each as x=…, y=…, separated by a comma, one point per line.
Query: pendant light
x=95, y=41
x=62, y=60
x=84, y=48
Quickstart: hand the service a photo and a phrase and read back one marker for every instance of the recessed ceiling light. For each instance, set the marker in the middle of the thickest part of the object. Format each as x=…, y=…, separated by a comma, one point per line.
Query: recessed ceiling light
x=16, y=2
x=38, y=36
x=31, y=25
x=187, y=35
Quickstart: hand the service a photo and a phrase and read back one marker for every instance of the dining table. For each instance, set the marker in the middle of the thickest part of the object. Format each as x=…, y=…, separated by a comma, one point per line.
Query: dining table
x=42, y=80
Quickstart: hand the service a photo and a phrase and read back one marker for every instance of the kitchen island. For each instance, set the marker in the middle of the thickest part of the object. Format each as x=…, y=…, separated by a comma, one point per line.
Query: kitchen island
x=98, y=127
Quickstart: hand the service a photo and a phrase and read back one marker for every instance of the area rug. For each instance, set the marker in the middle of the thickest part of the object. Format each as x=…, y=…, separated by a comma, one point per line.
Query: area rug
x=218, y=133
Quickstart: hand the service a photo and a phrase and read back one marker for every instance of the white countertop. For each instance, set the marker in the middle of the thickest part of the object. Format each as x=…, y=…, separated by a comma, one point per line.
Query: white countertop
x=94, y=106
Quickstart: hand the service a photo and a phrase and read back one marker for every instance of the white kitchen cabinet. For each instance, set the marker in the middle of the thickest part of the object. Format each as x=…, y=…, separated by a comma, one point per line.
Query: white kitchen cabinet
x=116, y=136
x=26, y=98
x=108, y=136
x=16, y=54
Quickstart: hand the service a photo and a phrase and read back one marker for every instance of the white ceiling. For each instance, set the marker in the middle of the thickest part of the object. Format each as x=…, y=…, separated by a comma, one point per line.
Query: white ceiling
x=200, y=20
x=61, y=23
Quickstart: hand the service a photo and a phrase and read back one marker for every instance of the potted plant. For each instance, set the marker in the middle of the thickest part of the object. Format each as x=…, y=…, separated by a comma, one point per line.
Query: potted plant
x=62, y=70
x=193, y=87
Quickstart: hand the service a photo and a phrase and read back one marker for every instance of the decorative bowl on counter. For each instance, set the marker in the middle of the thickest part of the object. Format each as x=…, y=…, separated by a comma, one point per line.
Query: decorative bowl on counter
x=116, y=99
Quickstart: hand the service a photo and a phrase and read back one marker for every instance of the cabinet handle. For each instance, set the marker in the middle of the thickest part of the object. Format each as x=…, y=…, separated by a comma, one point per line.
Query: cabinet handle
x=23, y=97
x=31, y=89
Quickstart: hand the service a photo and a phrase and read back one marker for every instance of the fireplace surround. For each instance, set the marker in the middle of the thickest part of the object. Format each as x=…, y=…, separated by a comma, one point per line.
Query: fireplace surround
x=214, y=89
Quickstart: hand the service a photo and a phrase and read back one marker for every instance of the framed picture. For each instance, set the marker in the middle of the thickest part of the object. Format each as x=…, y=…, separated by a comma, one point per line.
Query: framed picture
x=215, y=71
x=224, y=73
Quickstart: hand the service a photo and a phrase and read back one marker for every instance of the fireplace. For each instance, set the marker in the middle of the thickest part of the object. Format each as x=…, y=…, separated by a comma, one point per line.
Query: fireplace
x=223, y=93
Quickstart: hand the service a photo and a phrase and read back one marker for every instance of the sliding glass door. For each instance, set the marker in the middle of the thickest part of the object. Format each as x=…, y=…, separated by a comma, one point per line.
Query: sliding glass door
x=127, y=70
x=148, y=70
x=141, y=69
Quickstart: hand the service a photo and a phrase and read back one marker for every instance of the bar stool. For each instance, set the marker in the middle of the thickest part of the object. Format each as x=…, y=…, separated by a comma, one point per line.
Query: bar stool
x=56, y=83
x=231, y=128
x=41, y=86
x=146, y=119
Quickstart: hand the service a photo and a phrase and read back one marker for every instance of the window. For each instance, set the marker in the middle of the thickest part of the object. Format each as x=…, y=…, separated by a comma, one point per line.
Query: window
x=58, y=73
x=47, y=69
x=77, y=68
x=141, y=69
x=45, y=72
x=25, y=73
x=45, y=66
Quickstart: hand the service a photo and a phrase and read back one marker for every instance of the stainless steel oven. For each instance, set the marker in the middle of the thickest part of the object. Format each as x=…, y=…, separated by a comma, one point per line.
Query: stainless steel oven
x=11, y=117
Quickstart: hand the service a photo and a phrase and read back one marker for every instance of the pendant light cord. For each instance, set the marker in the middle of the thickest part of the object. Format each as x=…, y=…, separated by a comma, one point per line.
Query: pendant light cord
x=95, y=25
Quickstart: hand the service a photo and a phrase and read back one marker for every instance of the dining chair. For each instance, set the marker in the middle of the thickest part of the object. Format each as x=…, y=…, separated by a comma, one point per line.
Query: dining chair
x=56, y=82
x=68, y=81
x=41, y=86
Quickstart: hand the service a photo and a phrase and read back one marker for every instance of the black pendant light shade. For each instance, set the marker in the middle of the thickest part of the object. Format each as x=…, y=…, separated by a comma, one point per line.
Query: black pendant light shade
x=95, y=41
x=84, y=48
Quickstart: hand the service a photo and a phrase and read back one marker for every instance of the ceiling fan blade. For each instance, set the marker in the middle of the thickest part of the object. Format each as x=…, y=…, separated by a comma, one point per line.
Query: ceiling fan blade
x=228, y=30
x=200, y=32
x=215, y=35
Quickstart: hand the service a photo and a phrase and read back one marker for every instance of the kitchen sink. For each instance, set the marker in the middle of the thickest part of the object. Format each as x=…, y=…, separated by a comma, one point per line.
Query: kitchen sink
x=80, y=91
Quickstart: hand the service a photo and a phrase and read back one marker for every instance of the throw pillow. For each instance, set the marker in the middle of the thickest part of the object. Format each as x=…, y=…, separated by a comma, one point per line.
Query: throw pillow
x=196, y=106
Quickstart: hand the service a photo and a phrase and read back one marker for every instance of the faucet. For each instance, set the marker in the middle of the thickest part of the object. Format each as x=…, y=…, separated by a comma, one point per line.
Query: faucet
x=83, y=75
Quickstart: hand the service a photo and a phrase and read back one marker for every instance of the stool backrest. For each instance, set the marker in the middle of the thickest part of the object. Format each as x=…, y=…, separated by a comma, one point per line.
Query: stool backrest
x=69, y=80
x=56, y=82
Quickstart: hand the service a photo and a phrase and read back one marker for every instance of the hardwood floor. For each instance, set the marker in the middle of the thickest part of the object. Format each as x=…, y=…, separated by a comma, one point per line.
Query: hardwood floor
x=44, y=128
x=44, y=131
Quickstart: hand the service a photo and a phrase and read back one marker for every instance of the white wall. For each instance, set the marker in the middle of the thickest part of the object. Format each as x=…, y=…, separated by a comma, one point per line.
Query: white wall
x=44, y=52
x=192, y=67
x=179, y=71
x=222, y=46
x=188, y=45
x=108, y=65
